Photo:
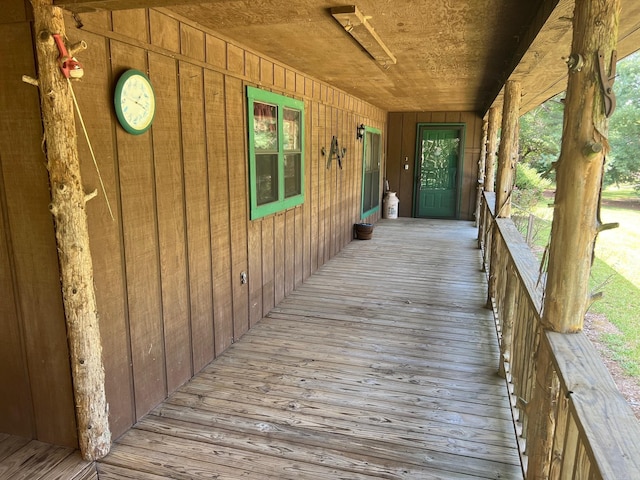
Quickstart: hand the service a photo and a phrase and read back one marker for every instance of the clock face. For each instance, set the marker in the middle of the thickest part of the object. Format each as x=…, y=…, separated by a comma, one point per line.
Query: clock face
x=134, y=102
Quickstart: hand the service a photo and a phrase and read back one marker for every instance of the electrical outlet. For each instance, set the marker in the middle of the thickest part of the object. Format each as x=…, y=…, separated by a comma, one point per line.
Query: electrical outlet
x=243, y=278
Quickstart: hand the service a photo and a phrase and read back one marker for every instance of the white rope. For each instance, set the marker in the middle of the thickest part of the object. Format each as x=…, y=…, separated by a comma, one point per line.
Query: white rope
x=84, y=129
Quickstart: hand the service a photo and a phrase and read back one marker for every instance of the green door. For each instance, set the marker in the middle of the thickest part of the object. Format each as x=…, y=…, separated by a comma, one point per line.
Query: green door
x=437, y=162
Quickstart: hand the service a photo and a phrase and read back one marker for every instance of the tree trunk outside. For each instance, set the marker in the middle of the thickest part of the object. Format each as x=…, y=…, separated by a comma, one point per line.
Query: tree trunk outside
x=68, y=208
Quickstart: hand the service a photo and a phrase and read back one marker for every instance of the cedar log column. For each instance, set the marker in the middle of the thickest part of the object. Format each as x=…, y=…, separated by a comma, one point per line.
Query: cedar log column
x=508, y=152
x=575, y=223
x=492, y=147
x=482, y=161
x=72, y=236
x=507, y=156
x=579, y=168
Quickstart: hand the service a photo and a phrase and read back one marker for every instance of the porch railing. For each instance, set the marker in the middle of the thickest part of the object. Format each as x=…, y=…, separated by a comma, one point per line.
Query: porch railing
x=589, y=429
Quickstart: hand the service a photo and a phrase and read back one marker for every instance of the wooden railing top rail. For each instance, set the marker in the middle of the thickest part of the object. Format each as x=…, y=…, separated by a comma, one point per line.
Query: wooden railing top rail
x=526, y=263
x=603, y=415
x=490, y=202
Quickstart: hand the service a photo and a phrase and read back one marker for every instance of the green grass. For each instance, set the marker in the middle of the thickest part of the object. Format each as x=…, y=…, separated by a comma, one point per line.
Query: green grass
x=616, y=273
x=623, y=192
x=621, y=306
x=620, y=247
x=617, y=265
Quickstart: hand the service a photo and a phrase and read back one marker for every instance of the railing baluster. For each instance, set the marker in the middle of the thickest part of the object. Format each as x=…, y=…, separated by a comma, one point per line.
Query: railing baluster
x=559, y=431
x=506, y=319
x=560, y=437
x=570, y=450
x=583, y=464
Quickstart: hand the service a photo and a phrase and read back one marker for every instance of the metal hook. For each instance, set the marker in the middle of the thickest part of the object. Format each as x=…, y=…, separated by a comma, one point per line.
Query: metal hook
x=607, y=82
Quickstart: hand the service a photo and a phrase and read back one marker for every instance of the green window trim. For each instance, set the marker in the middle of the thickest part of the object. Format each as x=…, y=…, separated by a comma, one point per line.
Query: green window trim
x=269, y=180
x=367, y=206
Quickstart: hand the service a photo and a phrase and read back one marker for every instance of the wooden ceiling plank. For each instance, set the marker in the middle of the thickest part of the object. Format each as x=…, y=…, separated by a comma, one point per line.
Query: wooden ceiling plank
x=450, y=55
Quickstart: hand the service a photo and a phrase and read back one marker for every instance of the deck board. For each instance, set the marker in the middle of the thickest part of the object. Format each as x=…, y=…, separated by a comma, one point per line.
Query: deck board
x=21, y=458
x=381, y=365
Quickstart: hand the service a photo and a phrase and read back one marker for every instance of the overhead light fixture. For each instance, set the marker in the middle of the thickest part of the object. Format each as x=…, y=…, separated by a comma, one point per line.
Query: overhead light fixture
x=357, y=25
x=360, y=131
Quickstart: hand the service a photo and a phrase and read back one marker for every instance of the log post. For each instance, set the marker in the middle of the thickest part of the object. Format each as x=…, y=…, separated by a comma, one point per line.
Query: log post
x=492, y=148
x=575, y=224
x=481, y=172
x=72, y=236
x=508, y=151
x=579, y=168
x=507, y=156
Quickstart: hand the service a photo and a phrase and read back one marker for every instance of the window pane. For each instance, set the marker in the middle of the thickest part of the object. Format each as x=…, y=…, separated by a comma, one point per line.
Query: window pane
x=372, y=153
x=375, y=152
x=291, y=128
x=439, y=163
x=265, y=127
x=292, y=177
x=276, y=152
x=371, y=190
x=371, y=172
x=368, y=155
x=266, y=179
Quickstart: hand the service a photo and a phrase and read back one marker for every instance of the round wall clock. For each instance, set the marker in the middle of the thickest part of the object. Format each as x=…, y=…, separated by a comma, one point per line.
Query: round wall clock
x=135, y=102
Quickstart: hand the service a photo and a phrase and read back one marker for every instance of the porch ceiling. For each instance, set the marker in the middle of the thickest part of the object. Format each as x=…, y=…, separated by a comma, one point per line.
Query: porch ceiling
x=451, y=55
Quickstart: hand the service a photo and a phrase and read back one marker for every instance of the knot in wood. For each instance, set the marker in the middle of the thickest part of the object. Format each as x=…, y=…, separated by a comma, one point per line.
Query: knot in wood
x=592, y=148
x=45, y=37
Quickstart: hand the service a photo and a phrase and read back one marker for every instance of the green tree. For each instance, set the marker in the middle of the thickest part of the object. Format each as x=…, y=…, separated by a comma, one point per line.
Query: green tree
x=623, y=162
x=541, y=129
x=541, y=134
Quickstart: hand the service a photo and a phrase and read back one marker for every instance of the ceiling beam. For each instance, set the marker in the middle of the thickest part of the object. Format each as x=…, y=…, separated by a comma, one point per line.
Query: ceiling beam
x=80, y=6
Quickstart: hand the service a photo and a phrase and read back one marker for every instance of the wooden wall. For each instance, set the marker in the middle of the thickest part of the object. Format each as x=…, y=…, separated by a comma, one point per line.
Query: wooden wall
x=401, y=149
x=168, y=267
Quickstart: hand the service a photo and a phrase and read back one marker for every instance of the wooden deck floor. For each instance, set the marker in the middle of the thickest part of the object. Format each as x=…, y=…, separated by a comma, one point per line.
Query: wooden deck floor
x=32, y=460
x=382, y=365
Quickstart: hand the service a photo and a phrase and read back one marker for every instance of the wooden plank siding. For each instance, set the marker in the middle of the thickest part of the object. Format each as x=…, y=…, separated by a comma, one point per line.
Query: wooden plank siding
x=36, y=398
x=379, y=366
x=169, y=179
x=402, y=129
x=168, y=266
